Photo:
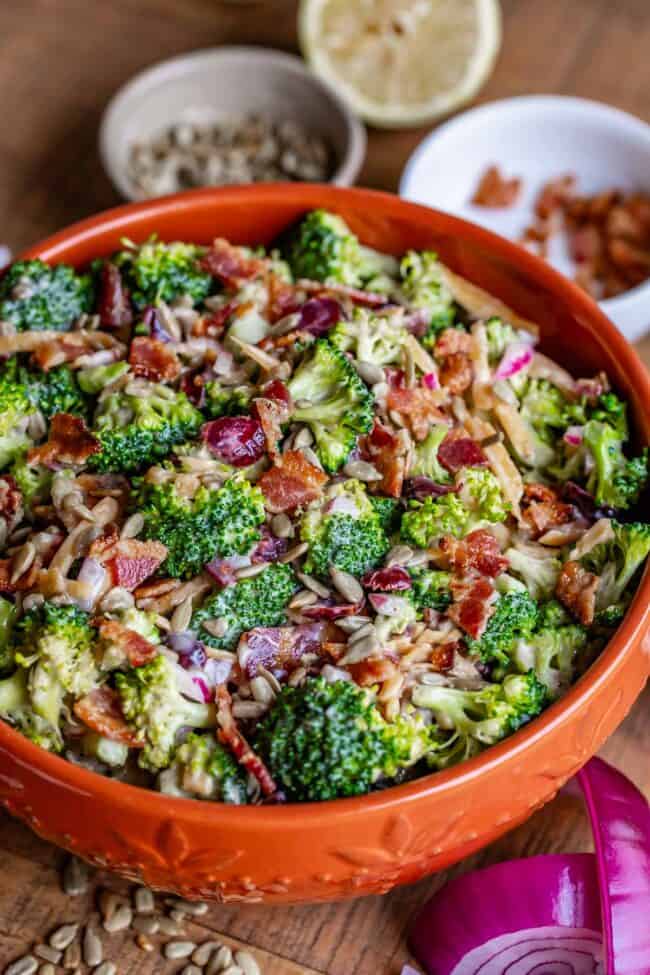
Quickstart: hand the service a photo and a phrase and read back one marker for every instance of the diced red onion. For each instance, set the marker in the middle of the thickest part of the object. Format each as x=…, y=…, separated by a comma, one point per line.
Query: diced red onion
x=223, y=570
x=93, y=575
x=517, y=356
x=224, y=362
x=182, y=642
x=430, y=380
x=387, y=605
x=342, y=505
x=573, y=435
x=151, y=319
x=217, y=671
x=421, y=487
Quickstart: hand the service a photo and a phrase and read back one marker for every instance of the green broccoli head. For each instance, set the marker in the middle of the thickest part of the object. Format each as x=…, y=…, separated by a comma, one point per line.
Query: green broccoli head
x=96, y=378
x=36, y=297
x=257, y=601
x=423, y=286
x=615, y=481
x=136, y=431
x=611, y=409
x=618, y=562
x=156, y=271
x=539, y=574
x=226, y=400
x=481, y=494
x=109, y=752
x=203, y=768
x=499, y=336
x=330, y=396
x=328, y=740
x=547, y=410
x=16, y=411
x=34, y=483
x=351, y=538
x=470, y=720
x=553, y=652
x=56, y=391
x=423, y=523
x=323, y=248
x=425, y=460
x=388, y=511
x=430, y=589
x=515, y=617
x=7, y=620
x=369, y=338
x=154, y=707
x=17, y=708
x=216, y=521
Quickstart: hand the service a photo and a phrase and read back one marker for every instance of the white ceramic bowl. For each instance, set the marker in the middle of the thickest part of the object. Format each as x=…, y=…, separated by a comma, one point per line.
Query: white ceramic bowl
x=207, y=86
x=537, y=138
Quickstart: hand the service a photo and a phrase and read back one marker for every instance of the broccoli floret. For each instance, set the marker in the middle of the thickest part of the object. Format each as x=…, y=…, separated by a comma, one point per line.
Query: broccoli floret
x=16, y=410
x=394, y=615
x=369, y=338
x=545, y=408
x=469, y=720
x=499, y=336
x=216, y=521
x=35, y=296
x=257, y=601
x=324, y=741
x=538, y=574
x=425, y=461
x=105, y=750
x=156, y=271
x=34, y=482
x=552, y=652
x=388, y=511
x=515, y=618
x=618, y=561
x=56, y=391
x=96, y=378
x=153, y=705
x=330, y=396
x=112, y=655
x=611, y=409
x=135, y=431
x=17, y=708
x=481, y=494
x=226, y=400
x=425, y=522
x=430, y=589
x=615, y=481
x=352, y=539
x=423, y=286
x=204, y=769
x=323, y=248
x=7, y=620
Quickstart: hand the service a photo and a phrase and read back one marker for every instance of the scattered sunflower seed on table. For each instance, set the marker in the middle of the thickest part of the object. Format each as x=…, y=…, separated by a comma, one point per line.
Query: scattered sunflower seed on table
x=244, y=149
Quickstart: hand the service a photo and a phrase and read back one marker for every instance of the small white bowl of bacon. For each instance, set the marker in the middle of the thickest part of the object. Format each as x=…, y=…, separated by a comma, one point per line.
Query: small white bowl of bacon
x=566, y=177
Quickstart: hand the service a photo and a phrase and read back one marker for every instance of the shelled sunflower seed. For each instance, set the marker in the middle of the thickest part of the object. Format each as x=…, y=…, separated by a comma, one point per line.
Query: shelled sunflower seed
x=241, y=149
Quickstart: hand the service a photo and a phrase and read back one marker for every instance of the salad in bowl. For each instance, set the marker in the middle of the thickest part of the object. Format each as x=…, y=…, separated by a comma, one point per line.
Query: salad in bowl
x=296, y=523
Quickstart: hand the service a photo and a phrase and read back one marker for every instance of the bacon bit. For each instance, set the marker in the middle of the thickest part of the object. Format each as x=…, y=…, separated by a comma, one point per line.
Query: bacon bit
x=153, y=590
x=99, y=547
x=27, y=581
x=114, y=306
x=576, y=589
x=193, y=385
x=230, y=264
x=368, y=299
x=494, y=190
x=272, y=414
x=442, y=656
x=153, y=359
x=422, y=487
x=452, y=341
x=479, y=551
x=456, y=374
x=129, y=560
x=385, y=451
x=293, y=481
x=101, y=711
x=11, y=502
x=64, y=348
x=454, y=453
x=230, y=736
x=473, y=605
x=395, y=578
x=69, y=442
x=214, y=324
x=330, y=612
x=365, y=673
x=418, y=406
x=542, y=509
x=136, y=648
x=554, y=195
x=282, y=298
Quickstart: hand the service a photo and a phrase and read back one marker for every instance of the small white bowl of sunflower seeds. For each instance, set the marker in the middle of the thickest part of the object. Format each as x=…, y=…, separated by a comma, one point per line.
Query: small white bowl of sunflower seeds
x=224, y=116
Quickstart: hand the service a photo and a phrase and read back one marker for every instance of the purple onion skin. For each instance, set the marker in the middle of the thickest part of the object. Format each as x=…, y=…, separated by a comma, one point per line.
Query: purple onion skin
x=319, y=315
x=421, y=487
x=195, y=658
x=585, y=502
x=152, y=321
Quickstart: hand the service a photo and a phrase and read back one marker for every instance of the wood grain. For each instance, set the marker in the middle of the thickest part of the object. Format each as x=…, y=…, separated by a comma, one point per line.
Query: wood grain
x=60, y=60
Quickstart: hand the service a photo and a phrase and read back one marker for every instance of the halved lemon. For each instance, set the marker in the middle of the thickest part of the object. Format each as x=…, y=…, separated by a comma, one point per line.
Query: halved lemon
x=401, y=62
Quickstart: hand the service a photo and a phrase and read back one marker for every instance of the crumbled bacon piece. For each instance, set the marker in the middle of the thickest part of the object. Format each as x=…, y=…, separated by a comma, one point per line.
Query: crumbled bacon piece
x=272, y=414
x=214, y=323
x=153, y=359
x=129, y=560
x=11, y=502
x=456, y=373
x=101, y=711
x=368, y=299
x=479, y=552
x=374, y=670
x=230, y=736
x=269, y=548
x=454, y=453
x=576, y=589
x=293, y=481
x=26, y=581
x=69, y=442
x=330, y=611
x=418, y=406
x=452, y=341
x=136, y=648
x=193, y=385
x=495, y=190
x=114, y=306
x=473, y=605
x=282, y=298
x=542, y=509
x=554, y=195
x=278, y=391
x=56, y=351
x=385, y=451
x=442, y=656
x=230, y=264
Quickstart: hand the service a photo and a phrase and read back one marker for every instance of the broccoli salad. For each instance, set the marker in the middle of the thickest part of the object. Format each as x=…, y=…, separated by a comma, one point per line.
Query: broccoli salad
x=296, y=523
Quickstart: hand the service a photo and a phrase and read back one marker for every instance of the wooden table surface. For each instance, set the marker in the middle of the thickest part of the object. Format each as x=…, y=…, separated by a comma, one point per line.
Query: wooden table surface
x=60, y=60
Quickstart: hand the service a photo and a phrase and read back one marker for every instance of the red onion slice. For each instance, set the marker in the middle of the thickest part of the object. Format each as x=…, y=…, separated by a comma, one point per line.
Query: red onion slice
x=573, y=435
x=517, y=356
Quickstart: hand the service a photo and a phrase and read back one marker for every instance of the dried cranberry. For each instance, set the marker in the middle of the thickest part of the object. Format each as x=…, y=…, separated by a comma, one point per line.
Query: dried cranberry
x=392, y=579
x=237, y=440
x=422, y=487
x=277, y=391
x=459, y=453
x=114, y=307
x=318, y=315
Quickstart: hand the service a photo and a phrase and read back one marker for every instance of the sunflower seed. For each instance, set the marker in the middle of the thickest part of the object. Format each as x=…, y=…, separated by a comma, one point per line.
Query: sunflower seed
x=251, y=570
x=48, y=953
x=362, y=470
x=232, y=970
x=346, y=584
x=26, y=965
x=247, y=963
x=22, y=561
x=314, y=584
x=294, y=553
x=361, y=649
x=191, y=970
x=143, y=900
x=108, y=903
x=193, y=908
x=106, y=968
x=75, y=877
x=361, y=632
x=305, y=597
x=399, y=554
x=281, y=525
x=303, y=438
x=92, y=948
x=262, y=691
x=178, y=949
x=143, y=943
x=47, y=969
x=270, y=678
x=204, y=952
x=63, y=936
x=216, y=627
x=169, y=927
x=312, y=457
x=72, y=955
x=177, y=915
x=350, y=624
x=133, y=526
x=145, y=924
x=219, y=961
x=181, y=616
x=286, y=324
x=248, y=710
x=370, y=373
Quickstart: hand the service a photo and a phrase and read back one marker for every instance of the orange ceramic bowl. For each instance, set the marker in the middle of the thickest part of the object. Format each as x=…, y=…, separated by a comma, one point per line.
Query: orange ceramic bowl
x=364, y=845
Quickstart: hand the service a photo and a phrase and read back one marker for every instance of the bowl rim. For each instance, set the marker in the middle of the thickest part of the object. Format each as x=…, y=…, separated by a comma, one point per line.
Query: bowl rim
x=148, y=78
x=632, y=629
